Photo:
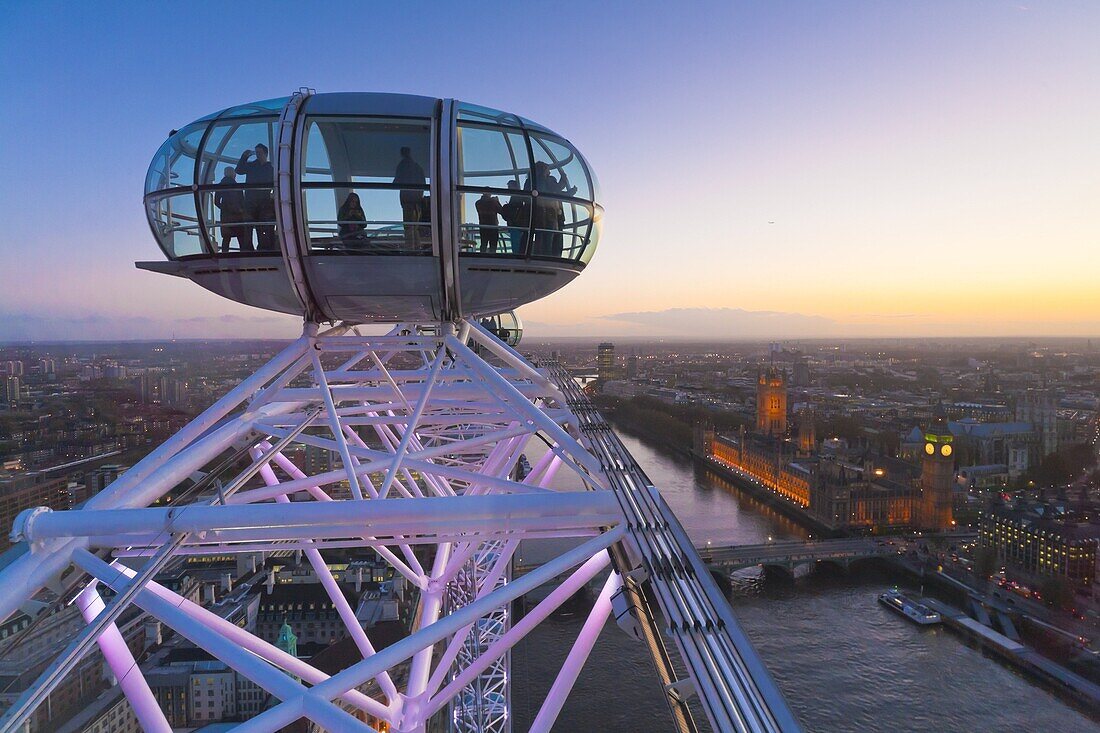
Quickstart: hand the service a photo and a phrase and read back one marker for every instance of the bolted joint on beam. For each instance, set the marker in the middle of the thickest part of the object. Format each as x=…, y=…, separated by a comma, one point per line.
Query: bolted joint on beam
x=21, y=528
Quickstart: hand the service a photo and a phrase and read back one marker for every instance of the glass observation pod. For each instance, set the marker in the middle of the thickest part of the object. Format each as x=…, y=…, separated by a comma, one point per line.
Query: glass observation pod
x=505, y=326
x=367, y=207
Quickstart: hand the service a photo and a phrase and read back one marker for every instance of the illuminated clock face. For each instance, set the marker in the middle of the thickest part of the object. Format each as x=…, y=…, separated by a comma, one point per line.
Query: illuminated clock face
x=929, y=448
x=946, y=450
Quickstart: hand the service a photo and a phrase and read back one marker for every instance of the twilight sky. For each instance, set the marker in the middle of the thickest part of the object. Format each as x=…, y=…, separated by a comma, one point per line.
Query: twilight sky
x=770, y=169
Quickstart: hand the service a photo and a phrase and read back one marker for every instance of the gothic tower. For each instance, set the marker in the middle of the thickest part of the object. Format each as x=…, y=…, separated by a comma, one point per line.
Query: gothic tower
x=807, y=431
x=937, y=477
x=703, y=438
x=771, y=402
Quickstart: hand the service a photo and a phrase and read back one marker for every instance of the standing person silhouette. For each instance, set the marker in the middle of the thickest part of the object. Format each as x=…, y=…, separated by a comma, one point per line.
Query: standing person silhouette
x=409, y=173
x=488, y=208
x=547, y=221
x=259, y=204
x=517, y=213
x=550, y=215
x=231, y=205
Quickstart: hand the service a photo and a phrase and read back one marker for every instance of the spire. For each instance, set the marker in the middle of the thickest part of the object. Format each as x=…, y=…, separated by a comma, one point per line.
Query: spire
x=287, y=641
x=939, y=431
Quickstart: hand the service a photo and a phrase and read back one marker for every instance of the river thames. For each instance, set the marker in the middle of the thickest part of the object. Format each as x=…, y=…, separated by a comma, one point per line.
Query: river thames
x=843, y=661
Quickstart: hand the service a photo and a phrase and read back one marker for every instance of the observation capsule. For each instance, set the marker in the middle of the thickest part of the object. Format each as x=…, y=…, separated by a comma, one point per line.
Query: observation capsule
x=366, y=207
x=505, y=326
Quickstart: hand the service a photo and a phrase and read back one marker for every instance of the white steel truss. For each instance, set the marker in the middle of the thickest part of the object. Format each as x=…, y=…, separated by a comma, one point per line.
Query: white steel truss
x=418, y=436
x=482, y=706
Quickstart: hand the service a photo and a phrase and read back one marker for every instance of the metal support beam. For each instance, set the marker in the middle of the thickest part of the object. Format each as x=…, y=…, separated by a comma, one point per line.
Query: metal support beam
x=123, y=666
x=578, y=655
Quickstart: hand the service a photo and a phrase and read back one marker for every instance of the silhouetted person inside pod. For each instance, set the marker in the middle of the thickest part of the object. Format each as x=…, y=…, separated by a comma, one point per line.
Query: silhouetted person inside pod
x=549, y=214
x=517, y=214
x=259, y=204
x=231, y=210
x=349, y=217
x=488, y=209
x=409, y=173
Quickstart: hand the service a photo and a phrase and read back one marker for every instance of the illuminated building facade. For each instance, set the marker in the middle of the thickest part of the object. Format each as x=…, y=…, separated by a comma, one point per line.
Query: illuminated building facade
x=771, y=402
x=312, y=617
x=872, y=505
x=1043, y=539
x=831, y=492
x=13, y=390
x=763, y=463
x=865, y=496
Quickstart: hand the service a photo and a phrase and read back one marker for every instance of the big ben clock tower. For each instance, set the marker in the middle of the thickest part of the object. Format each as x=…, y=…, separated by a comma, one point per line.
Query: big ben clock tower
x=937, y=477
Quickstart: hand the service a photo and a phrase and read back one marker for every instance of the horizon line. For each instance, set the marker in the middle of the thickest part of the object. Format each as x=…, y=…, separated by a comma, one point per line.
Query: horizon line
x=623, y=338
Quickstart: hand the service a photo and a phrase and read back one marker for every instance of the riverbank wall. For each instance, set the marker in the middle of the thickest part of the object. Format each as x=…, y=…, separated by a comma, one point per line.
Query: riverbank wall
x=1021, y=657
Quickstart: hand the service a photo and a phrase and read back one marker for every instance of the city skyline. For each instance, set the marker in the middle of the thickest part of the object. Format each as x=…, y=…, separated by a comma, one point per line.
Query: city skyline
x=799, y=444
x=769, y=171
x=811, y=443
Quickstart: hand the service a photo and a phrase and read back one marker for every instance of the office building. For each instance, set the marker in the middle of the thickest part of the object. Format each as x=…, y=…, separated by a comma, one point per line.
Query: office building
x=20, y=490
x=605, y=361
x=13, y=390
x=1043, y=538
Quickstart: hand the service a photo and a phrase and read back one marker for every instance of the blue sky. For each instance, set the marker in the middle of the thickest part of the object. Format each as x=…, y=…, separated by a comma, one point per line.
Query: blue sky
x=930, y=168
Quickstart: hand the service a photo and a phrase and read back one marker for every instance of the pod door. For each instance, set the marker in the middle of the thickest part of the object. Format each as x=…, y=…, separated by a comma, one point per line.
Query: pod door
x=371, y=238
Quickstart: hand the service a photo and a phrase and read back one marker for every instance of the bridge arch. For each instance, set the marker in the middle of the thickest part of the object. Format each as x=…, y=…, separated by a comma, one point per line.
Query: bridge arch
x=776, y=571
x=866, y=559
x=832, y=565
x=722, y=579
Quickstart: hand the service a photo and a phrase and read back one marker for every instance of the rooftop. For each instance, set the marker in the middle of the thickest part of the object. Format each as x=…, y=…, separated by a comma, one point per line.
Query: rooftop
x=1055, y=516
x=93, y=710
x=342, y=654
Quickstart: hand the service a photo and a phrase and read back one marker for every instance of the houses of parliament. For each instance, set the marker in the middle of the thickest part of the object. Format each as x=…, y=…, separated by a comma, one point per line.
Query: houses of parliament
x=836, y=486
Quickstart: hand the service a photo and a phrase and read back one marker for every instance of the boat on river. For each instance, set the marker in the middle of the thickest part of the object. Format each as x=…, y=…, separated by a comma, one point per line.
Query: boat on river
x=916, y=612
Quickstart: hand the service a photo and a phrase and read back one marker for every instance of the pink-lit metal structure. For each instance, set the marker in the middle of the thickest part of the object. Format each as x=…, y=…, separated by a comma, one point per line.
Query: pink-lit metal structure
x=446, y=430
x=453, y=431
x=424, y=427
